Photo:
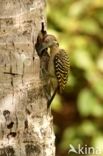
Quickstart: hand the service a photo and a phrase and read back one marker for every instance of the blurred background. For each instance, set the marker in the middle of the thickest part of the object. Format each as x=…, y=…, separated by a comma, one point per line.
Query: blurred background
x=78, y=113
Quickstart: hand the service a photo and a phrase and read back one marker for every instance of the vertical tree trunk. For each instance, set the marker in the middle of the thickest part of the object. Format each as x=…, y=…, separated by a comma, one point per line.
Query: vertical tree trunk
x=25, y=125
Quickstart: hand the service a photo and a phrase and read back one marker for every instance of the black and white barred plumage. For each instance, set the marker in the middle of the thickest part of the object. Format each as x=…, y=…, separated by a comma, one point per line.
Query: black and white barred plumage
x=62, y=67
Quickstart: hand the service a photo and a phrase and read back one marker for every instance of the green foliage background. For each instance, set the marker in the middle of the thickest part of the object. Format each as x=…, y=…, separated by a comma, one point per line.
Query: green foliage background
x=78, y=113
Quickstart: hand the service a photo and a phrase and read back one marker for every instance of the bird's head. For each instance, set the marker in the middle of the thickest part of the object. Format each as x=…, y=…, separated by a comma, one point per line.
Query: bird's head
x=48, y=42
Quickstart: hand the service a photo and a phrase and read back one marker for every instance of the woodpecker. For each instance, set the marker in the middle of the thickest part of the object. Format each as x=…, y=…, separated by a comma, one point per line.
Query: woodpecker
x=59, y=65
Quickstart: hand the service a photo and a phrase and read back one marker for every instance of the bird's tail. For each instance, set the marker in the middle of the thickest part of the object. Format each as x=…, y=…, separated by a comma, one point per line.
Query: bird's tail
x=50, y=101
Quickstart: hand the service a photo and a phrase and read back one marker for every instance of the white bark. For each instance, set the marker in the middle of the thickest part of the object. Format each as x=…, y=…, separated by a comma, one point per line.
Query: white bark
x=25, y=126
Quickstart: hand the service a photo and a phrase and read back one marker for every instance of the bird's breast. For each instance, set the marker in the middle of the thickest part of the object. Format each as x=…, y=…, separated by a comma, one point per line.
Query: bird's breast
x=51, y=69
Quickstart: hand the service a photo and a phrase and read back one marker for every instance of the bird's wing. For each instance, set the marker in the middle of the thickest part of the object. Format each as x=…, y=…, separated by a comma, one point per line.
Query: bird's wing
x=62, y=67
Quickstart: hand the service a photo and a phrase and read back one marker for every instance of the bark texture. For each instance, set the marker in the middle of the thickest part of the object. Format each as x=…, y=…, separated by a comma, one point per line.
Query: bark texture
x=25, y=126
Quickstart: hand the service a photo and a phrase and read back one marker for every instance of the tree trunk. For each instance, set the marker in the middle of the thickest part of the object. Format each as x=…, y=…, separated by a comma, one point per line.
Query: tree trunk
x=25, y=126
